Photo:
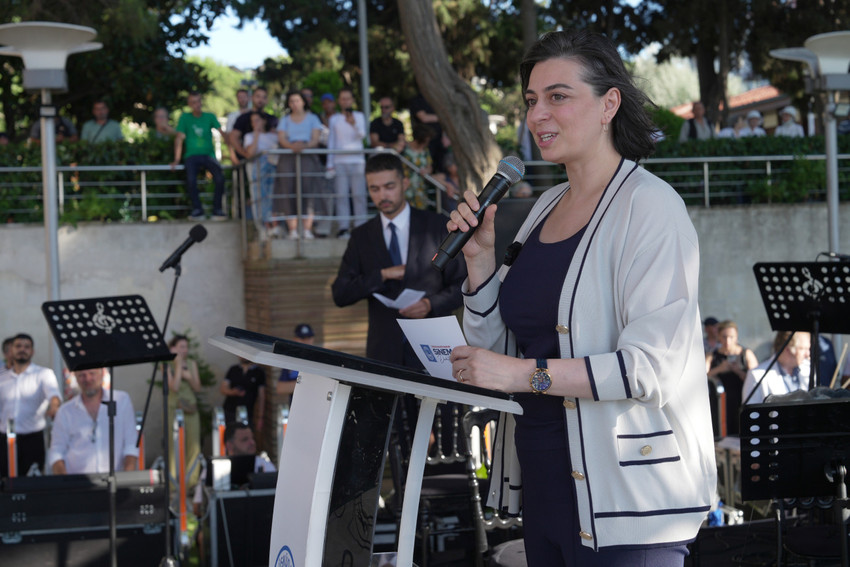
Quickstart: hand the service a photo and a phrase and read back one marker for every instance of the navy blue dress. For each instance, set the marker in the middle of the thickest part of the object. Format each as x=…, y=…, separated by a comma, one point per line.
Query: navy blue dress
x=529, y=305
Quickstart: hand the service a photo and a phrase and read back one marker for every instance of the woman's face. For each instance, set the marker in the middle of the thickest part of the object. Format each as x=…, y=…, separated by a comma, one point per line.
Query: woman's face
x=564, y=115
x=296, y=103
x=728, y=338
x=258, y=123
x=181, y=348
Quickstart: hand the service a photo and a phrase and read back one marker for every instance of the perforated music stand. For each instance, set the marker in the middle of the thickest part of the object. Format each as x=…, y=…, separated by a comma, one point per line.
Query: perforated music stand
x=797, y=450
x=806, y=296
x=105, y=332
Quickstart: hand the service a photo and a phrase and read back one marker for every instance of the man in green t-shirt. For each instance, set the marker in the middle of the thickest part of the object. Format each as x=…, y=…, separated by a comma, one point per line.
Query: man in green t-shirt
x=196, y=128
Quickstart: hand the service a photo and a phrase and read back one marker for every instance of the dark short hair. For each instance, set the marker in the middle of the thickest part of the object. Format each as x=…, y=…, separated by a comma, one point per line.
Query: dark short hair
x=241, y=91
x=631, y=128
x=232, y=428
x=260, y=114
x=385, y=161
x=23, y=336
x=176, y=339
x=7, y=341
x=261, y=88
x=193, y=93
x=422, y=132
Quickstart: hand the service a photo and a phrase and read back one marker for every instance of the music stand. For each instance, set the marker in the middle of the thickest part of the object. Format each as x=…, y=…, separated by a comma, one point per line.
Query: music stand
x=806, y=296
x=800, y=449
x=797, y=450
x=106, y=332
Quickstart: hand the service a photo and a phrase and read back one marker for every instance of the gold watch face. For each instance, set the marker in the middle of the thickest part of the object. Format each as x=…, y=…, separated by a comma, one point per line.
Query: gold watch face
x=541, y=380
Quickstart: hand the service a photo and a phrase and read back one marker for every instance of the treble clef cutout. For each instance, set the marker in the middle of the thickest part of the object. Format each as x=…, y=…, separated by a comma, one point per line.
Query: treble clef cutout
x=811, y=287
x=103, y=321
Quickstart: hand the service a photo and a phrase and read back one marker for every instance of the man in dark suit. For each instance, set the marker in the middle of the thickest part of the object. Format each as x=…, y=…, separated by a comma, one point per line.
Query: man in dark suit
x=368, y=267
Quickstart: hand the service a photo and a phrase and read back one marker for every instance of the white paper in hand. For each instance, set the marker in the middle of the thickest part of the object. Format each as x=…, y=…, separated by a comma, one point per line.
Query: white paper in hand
x=405, y=299
x=433, y=341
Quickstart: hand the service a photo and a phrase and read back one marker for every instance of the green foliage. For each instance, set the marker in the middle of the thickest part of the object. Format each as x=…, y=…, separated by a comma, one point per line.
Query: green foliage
x=795, y=181
x=224, y=81
x=667, y=122
x=322, y=82
x=96, y=195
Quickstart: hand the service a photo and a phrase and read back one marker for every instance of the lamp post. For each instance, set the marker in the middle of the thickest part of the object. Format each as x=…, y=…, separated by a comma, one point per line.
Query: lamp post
x=45, y=47
x=827, y=57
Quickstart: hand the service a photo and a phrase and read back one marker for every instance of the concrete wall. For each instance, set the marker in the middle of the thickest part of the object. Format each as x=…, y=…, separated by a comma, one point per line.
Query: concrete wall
x=121, y=259
x=733, y=239
x=99, y=260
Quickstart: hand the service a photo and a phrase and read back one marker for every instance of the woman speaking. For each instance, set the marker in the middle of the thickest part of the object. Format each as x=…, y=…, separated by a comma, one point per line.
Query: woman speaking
x=595, y=328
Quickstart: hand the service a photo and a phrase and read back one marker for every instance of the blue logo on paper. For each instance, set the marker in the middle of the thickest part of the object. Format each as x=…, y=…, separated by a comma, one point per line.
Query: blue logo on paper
x=284, y=558
x=427, y=350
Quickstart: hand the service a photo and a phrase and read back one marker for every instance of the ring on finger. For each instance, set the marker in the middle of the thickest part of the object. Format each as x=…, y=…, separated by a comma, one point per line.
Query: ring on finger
x=460, y=374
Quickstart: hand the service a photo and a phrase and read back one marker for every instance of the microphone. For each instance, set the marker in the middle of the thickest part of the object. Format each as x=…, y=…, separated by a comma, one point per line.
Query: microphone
x=197, y=234
x=510, y=170
x=843, y=257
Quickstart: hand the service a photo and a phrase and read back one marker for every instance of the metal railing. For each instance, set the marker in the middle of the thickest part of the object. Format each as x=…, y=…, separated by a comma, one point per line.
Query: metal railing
x=151, y=192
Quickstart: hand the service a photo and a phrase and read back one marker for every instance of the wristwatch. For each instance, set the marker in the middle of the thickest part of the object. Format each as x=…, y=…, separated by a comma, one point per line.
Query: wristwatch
x=541, y=380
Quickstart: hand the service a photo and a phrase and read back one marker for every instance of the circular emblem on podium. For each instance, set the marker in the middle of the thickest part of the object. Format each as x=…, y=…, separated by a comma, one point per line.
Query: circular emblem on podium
x=284, y=558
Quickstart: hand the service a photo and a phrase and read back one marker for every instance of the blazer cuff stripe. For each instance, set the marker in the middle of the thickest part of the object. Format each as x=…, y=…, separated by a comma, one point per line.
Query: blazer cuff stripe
x=622, y=364
x=590, y=377
x=644, y=435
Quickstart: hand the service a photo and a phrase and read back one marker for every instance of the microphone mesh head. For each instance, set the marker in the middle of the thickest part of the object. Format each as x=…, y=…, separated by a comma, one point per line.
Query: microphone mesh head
x=198, y=233
x=512, y=168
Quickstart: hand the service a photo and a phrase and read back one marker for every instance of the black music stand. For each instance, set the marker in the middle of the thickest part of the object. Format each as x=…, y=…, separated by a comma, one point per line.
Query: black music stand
x=106, y=332
x=806, y=296
x=798, y=450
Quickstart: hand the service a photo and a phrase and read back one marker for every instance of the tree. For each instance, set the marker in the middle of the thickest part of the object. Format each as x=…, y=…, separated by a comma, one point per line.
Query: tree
x=140, y=66
x=475, y=148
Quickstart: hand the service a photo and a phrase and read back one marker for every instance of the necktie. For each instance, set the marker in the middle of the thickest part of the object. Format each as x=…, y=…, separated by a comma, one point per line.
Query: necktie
x=395, y=251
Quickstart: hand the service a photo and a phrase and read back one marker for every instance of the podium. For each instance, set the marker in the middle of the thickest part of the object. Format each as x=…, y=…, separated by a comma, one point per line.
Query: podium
x=332, y=460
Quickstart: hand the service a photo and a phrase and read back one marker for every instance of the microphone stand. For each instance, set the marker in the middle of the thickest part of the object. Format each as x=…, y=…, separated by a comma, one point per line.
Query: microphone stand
x=168, y=560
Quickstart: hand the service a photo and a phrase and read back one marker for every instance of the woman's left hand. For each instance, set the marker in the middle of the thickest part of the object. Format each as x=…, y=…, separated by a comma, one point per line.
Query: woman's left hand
x=481, y=367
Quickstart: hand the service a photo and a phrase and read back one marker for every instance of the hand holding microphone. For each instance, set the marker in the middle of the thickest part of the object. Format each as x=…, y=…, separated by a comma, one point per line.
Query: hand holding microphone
x=510, y=170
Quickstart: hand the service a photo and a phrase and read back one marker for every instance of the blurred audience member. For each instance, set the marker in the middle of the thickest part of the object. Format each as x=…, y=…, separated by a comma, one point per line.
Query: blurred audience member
x=162, y=128
x=730, y=363
x=790, y=372
x=754, y=122
x=736, y=130
x=348, y=132
x=698, y=127
x=261, y=171
x=712, y=339
x=788, y=117
x=64, y=129
x=418, y=153
x=101, y=128
x=297, y=131
x=387, y=131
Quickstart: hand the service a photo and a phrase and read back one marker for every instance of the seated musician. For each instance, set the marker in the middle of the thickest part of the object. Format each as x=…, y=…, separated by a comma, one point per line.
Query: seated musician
x=80, y=439
x=790, y=372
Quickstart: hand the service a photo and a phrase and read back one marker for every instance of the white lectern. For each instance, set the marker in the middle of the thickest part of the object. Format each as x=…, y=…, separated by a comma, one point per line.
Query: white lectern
x=332, y=460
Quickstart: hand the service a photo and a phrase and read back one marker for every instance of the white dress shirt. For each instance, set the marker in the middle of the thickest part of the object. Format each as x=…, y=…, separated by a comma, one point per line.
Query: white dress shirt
x=344, y=136
x=24, y=397
x=777, y=382
x=402, y=230
x=83, y=443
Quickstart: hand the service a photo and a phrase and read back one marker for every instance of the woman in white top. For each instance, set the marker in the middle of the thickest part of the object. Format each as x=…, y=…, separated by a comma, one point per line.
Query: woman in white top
x=261, y=168
x=298, y=130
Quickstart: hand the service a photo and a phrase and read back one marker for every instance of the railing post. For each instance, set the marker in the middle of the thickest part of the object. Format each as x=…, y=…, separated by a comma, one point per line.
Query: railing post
x=144, y=190
x=299, y=222
x=61, y=189
x=705, y=183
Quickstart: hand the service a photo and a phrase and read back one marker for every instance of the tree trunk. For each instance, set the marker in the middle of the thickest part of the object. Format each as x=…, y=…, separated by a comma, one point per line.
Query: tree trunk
x=528, y=18
x=464, y=121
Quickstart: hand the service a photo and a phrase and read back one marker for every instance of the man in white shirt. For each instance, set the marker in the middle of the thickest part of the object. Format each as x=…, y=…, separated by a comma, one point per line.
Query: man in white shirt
x=348, y=132
x=80, y=439
x=29, y=393
x=790, y=372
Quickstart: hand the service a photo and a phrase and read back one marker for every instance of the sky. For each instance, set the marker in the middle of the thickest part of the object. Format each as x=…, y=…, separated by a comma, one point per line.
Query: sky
x=245, y=49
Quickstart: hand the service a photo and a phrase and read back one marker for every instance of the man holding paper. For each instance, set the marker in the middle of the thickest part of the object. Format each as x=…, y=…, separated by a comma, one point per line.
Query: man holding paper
x=388, y=258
